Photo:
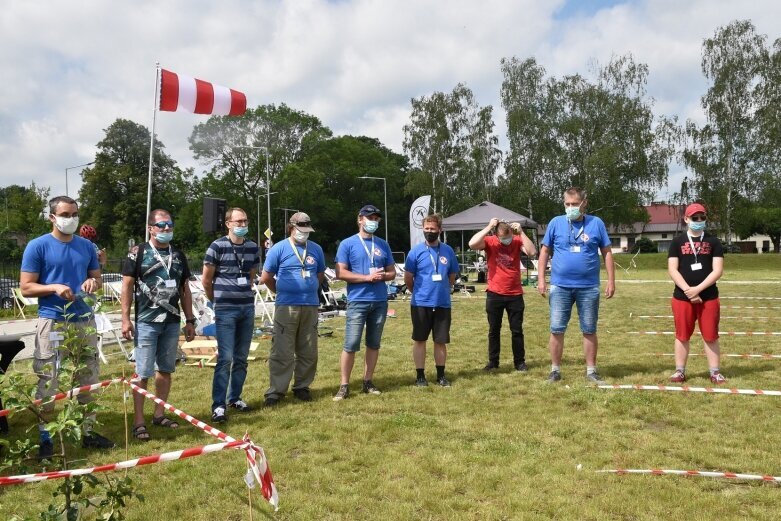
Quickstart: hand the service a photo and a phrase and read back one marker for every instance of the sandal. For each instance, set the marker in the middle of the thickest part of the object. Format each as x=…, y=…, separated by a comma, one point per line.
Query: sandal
x=140, y=433
x=162, y=421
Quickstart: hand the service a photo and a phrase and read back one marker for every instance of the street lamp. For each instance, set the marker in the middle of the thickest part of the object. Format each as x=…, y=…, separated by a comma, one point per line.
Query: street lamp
x=287, y=210
x=73, y=168
x=385, y=192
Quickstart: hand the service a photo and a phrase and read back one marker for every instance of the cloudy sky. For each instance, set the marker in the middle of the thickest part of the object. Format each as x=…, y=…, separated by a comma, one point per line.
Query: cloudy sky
x=71, y=68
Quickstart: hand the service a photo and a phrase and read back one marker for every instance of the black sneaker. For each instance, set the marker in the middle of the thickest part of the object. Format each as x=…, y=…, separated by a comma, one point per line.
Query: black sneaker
x=342, y=393
x=554, y=376
x=241, y=405
x=218, y=415
x=491, y=367
x=303, y=394
x=270, y=401
x=521, y=368
x=96, y=441
x=46, y=450
x=443, y=382
x=421, y=382
x=370, y=388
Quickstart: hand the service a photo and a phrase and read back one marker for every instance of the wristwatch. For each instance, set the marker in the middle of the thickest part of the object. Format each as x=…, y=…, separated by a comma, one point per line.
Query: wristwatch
x=190, y=321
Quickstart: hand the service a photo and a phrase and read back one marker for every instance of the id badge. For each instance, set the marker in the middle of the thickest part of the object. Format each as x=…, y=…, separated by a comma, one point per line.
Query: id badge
x=574, y=249
x=305, y=274
x=242, y=281
x=170, y=283
x=436, y=277
x=696, y=266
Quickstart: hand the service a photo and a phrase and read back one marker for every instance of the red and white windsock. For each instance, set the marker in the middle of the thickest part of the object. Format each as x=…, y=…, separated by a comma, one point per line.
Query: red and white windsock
x=180, y=92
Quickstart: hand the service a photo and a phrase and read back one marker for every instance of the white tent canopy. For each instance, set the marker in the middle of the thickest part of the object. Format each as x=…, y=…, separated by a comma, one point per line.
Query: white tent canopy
x=478, y=216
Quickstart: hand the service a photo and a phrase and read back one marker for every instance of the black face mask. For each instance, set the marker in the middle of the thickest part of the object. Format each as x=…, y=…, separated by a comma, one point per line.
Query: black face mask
x=431, y=236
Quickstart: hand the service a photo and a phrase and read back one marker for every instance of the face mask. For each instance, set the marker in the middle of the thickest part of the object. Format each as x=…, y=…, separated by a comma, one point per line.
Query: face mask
x=67, y=225
x=240, y=231
x=506, y=240
x=164, y=237
x=300, y=236
x=573, y=212
x=370, y=226
x=431, y=236
x=697, y=226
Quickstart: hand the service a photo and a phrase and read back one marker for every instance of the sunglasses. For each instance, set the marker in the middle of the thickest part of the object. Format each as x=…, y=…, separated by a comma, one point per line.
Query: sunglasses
x=698, y=218
x=306, y=224
x=164, y=224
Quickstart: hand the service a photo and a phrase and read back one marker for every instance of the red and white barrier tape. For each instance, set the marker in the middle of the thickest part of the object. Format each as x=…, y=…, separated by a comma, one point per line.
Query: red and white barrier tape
x=721, y=333
x=686, y=389
x=740, y=298
x=70, y=394
x=703, y=473
x=671, y=316
x=750, y=307
x=764, y=356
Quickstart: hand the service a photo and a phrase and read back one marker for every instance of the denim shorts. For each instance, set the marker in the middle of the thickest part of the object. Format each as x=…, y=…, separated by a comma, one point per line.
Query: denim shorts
x=156, y=345
x=360, y=314
x=561, y=300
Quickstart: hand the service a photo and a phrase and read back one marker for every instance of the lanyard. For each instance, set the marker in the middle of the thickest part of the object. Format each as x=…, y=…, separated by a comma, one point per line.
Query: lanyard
x=159, y=258
x=433, y=262
x=239, y=263
x=691, y=243
x=580, y=232
x=300, y=258
x=370, y=255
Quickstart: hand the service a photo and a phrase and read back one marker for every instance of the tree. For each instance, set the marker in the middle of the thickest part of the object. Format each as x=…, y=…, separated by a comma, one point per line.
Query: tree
x=113, y=196
x=723, y=152
x=450, y=141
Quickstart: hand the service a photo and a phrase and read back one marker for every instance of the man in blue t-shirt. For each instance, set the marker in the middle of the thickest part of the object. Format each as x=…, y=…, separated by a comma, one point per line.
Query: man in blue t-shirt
x=366, y=263
x=229, y=268
x=576, y=240
x=294, y=270
x=429, y=273
x=59, y=269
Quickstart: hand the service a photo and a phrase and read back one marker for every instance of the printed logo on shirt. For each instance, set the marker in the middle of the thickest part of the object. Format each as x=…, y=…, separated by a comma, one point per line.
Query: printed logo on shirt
x=585, y=237
x=443, y=260
x=310, y=259
x=703, y=248
x=377, y=252
x=502, y=259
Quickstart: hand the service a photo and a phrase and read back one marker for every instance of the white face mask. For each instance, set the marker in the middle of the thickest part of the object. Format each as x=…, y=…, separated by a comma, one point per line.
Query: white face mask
x=66, y=225
x=300, y=236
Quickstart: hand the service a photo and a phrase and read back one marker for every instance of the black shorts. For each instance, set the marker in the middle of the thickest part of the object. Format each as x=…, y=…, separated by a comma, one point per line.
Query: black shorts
x=428, y=319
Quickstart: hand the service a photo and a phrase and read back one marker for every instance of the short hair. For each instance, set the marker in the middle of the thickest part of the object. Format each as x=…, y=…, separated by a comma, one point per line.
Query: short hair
x=433, y=218
x=54, y=201
x=229, y=212
x=574, y=190
x=150, y=219
x=503, y=226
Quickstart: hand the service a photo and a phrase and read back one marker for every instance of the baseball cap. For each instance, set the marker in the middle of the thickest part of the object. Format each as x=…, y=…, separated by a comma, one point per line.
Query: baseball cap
x=695, y=208
x=370, y=209
x=302, y=221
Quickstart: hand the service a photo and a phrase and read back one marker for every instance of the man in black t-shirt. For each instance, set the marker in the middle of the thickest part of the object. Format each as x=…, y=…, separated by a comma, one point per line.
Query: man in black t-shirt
x=695, y=262
x=158, y=275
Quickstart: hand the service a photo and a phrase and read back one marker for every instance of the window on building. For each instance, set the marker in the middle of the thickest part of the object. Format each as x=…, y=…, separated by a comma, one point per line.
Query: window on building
x=664, y=236
x=615, y=242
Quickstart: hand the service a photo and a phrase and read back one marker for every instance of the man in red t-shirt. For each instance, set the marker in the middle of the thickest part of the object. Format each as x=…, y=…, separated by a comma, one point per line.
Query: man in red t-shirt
x=503, y=251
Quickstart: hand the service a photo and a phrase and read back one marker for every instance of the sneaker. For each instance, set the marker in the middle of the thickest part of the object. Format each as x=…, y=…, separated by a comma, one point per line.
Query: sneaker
x=303, y=394
x=270, y=401
x=718, y=378
x=241, y=405
x=443, y=382
x=521, y=368
x=554, y=376
x=94, y=440
x=678, y=377
x=595, y=379
x=218, y=416
x=370, y=388
x=421, y=382
x=46, y=450
x=342, y=393
x=491, y=367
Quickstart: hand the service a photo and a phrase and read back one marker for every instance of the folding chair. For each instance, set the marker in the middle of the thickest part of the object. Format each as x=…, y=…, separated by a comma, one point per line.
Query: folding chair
x=104, y=327
x=23, y=302
x=263, y=297
x=113, y=290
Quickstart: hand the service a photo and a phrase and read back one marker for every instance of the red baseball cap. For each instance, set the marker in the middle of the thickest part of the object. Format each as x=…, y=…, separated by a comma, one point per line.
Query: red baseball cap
x=695, y=208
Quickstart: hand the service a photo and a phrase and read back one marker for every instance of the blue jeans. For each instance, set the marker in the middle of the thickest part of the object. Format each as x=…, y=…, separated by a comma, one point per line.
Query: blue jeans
x=234, y=335
x=561, y=300
x=369, y=314
x=156, y=349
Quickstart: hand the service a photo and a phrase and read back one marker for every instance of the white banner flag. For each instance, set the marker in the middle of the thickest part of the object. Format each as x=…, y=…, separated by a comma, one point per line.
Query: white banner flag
x=417, y=212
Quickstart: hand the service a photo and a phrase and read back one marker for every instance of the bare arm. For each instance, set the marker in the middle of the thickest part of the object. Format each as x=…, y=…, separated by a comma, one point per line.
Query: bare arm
x=477, y=242
x=187, y=308
x=610, y=266
x=342, y=273
x=207, y=279
x=126, y=300
x=30, y=287
x=409, y=280
x=269, y=280
x=528, y=245
x=452, y=278
x=542, y=263
x=321, y=277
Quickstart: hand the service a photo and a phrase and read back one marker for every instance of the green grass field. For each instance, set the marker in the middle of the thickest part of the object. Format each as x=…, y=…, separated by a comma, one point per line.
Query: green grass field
x=493, y=446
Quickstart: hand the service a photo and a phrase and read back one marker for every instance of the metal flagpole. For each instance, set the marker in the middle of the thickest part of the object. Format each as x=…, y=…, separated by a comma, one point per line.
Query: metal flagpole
x=152, y=149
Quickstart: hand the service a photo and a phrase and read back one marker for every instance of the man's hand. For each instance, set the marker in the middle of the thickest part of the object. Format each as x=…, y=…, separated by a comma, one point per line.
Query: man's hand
x=610, y=290
x=695, y=300
x=64, y=292
x=89, y=286
x=541, y=287
x=493, y=223
x=102, y=258
x=691, y=292
x=189, y=332
x=127, y=329
x=516, y=227
x=377, y=275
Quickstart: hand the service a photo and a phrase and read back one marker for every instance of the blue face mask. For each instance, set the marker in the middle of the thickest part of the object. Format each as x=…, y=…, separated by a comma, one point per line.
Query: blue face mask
x=697, y=226
x=573, y=212
x=370, y=226
x=164, y=237
x=240, y=231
